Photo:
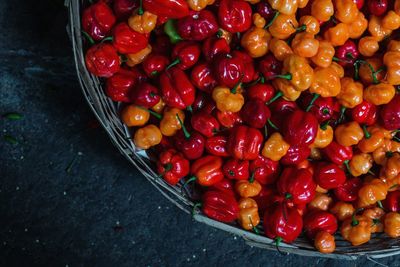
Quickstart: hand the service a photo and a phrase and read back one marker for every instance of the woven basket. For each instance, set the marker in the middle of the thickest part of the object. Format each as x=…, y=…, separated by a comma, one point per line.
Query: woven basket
x=107, y=112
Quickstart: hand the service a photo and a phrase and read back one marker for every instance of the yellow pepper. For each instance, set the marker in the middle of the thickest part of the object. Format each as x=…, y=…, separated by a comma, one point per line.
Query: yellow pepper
x=360, y=164
x=324, y=137
x=324, y=56
x=369, y=76
x=351, y=93
x=134, y=116
x=139, y=57
x=283, y=26
x=279, y=48
x=326, y=82
x=198, y=5
x=372, y=192
x=289, y=92
x=255, y=41
x=349, y=134
x=338, y=69
x=342, y=210
x=169, y=123
x=391, y=21
x=371, y=141
x=301, y=72
x=248, y=213
x=358, y=26
x=275, y=147
x=338, y=34
x=305, y=45
x=227, y=100
x=368, y=46
x=392, y=224
x=258, y=20
x=147, y=137
x=356, y=230
x=376, y=29
x=391, y=60
x=287, y=7
x=375, y=214
x=144, y=23
x=379, y=94
x=311, y=23
x=247, y=188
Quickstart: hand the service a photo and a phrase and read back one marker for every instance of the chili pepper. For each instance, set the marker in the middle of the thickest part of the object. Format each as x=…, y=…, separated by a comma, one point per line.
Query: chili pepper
x=326, y=82
x=356, y=230
x=305, y=45
x=263, y=92
x=269, y=66
x=296, y=185
x=300, y=128
x=248, y=214
x=234, y=15
x=321, y=201
x=128, y=41
x=147, y=137
x=390, y=114
x=311, y=23
x=220, y=206
x=197, y=26
x=283, y=26
x=255, y=113
x=392, y=201
x=264, y=170
x=249, y=74
x=265, y=10
x=368, y=46
x=392, y=166
x=321, y=107
x=371, y=71
x=284, y=7
x=281, y=108
x=301, y=73
x=371, y=141
x=255, y=42
x=143, y=22
x=376, y=29
x=217, y=145
x=337, y=35
x=372, y=192
x=134, y=116
x=375, y=214
x=358, y=26
x=349, y=134
x=185, y=54
x=120, y=85
x=322, y=10
x=279, y=49
x=382, y=153
x=205, y=124
x=258, y=20
x=316, y=221
x=145, y=95
x=176, y=88
x=345, y=11
x=190, y=144
x=207, y=170
x=244, y=143
x=347, y=53
x=282, y=223
x=159, y=107
x=172, y=166
x=324, y=242
x=265, y=199
x=342, y=210
x=296, y=154
x=228, y=119
x=154, y=64
x=225, y=186
x=173, y=9
x=360, y=164
x=248, y=188
x=102, y=60
x=329, y=175
x=213, y=46
x=228, y=100
x=203, y=103
x=324, y=55
x=124, y=8
x=377, y=8
x=139, y=57
x=198, y=5
x=391, y=21
x=97, y=20
x=379, y=94
x=393, y=45
x=337, y=153
x=392, y=224
x=161, y=44
x=202, y=78
x=169, y=124
x=236, y=169
x=228, y=70
x=364, y=113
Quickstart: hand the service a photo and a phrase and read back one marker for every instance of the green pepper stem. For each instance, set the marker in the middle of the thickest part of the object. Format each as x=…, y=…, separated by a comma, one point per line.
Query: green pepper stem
x=315, y=97
x=190, y=180
x=371, y=172
x=140, y=10
x=154, y=73
x=354, y=221
x=287, y=76
x=366, y=133
x=346, y=163
x=88, y=37
x=302, y=28
x=276, y=97
x=272, y=20
x=389, y=154
x=373, y=72
x=185, y=131
x=173, y=63
x=380, y=205
x=342, y=111
x=278, y=240
x=155, y=114
x=168, y=167
x=273, y=125
x=196, y=206
x=349, y=55
x=395, y=138
x=219, y=33
x=324, y=125
x=234, y=89
x=109, y=38
x=170, y=30
x=190, y=109
x=251, y=179
x=288, y=196
x=260, y=79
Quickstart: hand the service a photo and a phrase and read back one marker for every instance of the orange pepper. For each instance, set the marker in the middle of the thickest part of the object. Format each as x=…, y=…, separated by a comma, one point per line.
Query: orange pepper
x=371, y=141
x=275, y=147
x=366, y=74
x=255, y=41
x=368, y=46
x=279, y=48
x=356, y=230
x=248, y=213
x=139, y=57
x=391, y=60
x=375, y=214
x=159, y=107
x=397, y=6
x=351, y=93
x=169, y=123
x=338, y=34
x=289, y=92
x=311, y=23
x=392, y=224
x=372, y=192
x=134, y=116
x=324, y=137
x=324, y=56
x=376, y=29
x=338, y=69
x=391, y=21
x=321, y=201
x=305, y=45
x=301, y=72
x=388, y=147
x=143, y=23
x=392, y=167
x=315, y=153
x=342, y=210
x=147, y=137
x=324, y=242
x=287, y=7
x=349, y=134
x=346, y=10
x=321, y=190
x=198, y=5
x=393, y=46
x=379, y=94
x=248, y=188
x=322, y=9
x=326, y=82
x=283, y=26
x=258, y=20
x=227, y=100
x=303, y=3
x=376, y=128
x=360, y=164
x=358, y=26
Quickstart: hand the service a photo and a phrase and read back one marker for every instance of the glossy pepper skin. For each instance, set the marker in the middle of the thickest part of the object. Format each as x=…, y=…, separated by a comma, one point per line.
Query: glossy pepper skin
x=347, y=53
x=391, y=59
x=249, y=73
x=236, y=169
x=134, y=116
x=300, y=128
x=365, y=113
x=244, y=143
x=392, y=201
x=185, y=54
x=392, y=224
x=220, y=206
x=173, y=9
x=197, y=26
x=323, y=108
x=329, y=175
x=248, y=214
x=128, y=41
x=207, y=170
x=102, y=60
x=263, y=92
x=205, y=124
x=255, y=113
x=349, y=134
x=234, y=15
x=269, y=66
x=147, y=136
x=120, y=85
x=213, y=46
x=264, y=170
x=337, y=153
x=349, y=190
x=217, y=145
x=228, y=70
x=202, y=77
x=356, y=230
x=317, y=221
x=124, y=8
x=97, y=20
x=390, y=114
x=191, y=146
x=372, y=192
x=145, y=95
x=324, y=242
x=172, y=166
x=155, y=64
x=295, y=155
x=248, y=188
x=227, y=100
x=176, y=88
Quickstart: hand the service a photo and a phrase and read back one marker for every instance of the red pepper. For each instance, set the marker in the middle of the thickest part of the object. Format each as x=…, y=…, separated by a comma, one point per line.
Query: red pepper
x=365, y=113
x=202, y=77
x=197, y=26
x=203, y=103
x=228, y=70
x=236, y=169
x=220, y=206
x=282, y=223
x=347, y=53
x=263, y=92
x=97, y=20
x=145, y=95
x=177, y=90
x=270, y=66
x=349, y=190
x=392, y=201
x=280, y=110
x=255, y=113
x=295, y=155
x=300, y=128
x=328, y=175
x=244, y=143
x=207, y=170
x=120, y=85
x=124, y=8
x=321, y=107
x=297, y=185
x=128, y=41
x=228, y=119
x=213, y=46
x=225, y=186
x=102, y=60
x=265, y=170
x=337, y=153
x=161, y=45
x=185, y=54
x=390, y=114
x=235, y=15
x=319, y=220
x=249, y=73
x=205, y=124
x=172, y=166
x=191, y=145
x=155, y=64
x=265, y=199
x=217, y=145
x=173, y=9
x=265, y=10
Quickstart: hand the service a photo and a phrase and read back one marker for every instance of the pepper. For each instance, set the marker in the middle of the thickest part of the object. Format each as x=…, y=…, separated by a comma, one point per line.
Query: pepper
x=248, y=188
x=139, y=57
x=248, y=214
x=372, y=192
x=349, y=134
x=283, y=26
x=286, y=89
x=264, y=170
x=358, y=26
x=324, y=242
x=326, y=82
x=275, y=147
x=202, y=78
x=205, y=124
x=236, y=169
x=394, y=46
x=371, y=71
x=263, y=92
x=220, y=206
x=124, y=8
x=296, y=185
x=300, y=128
x=376, y=29
x=213, y=46
x=155, y=64
x=324, y=55
x=279, y=48
x=379, y=94
x=391, y=59
x=281, y=108
x=337, y=153
x=345, y=10
x=284, y=7
x=371, y=141
x=145, y=95
x=381, y=154
x=301, y=73
x=176, y=88
x=255, y=42
x=147, y=136
x=375, y=214
x=390, y=114
x=228, y=70
x=368, y=46
x=128, y=41
x=143, y=22
x=255, y=113
x=328, y=175
x=342, y=210
x=269, y=66
x=225, y=186
x=120, y=85
x=249, y=74
x=305, y=45
x=185, y=55
x=190, y=144
x=97, y=20
x=321, y=107
x=322, y=10
x=234, y=15
x=217, y=145
x=207, y=170
x=173, y=9
x=337, y=35
x=227, y=100
x=172, y=166
x=324, y=137
x=347, y=53
x=351, y=93
x=321, y=201
x=316, y=221
x=134, y=116
x=296, y=154
x=392, y=224
x=198, y=5
x=228, y=119
x=365, y=113
x=311, y=23
x=244, y=142
x=392, y=167
x=169, y=123
x=392, y=201
x=356, y=230
x=102, y=60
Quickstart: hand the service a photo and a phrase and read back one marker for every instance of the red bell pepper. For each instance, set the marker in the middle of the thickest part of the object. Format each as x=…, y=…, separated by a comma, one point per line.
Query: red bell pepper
x=102, y=60
x=145, y=95
x=124, y=8
x=202, y=77
x=347, y=53
x=217, y=145
x=197, y=26
x=207, y=170
x=349, y=190
x=390, y=114
x=255, y=113
x=213, y=46
x=263, y=92
x=225, y=186
x=365, y=113
x=228, y=119
x=235, y=15
x=297, y=185
x=337, y=153
x=300, y=128
x=185, y=55
x=249, y=72
x=244, y=142
x=128, y=41
x=328, y=175
x=205, y=124
x=191, y=145
x=295, y=155
x=236, y=169
x=173, y=9
x=177, y=90
x=155, y=64
x=228, y=70
x=120, y=85
x=264, y=170
x=317, y=221
x=220, y=206
x=270, y=66
x=392, y=201
x=172, y=166
x=97, y=20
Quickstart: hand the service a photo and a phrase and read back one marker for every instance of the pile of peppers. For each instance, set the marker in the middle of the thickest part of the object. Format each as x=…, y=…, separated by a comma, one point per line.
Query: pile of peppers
x=284, y=116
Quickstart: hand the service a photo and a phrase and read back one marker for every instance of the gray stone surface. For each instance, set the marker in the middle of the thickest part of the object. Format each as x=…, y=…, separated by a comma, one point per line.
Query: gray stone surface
x=101, y=212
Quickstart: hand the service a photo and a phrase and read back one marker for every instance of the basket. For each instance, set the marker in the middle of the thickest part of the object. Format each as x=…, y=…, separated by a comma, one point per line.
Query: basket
x=107, y=113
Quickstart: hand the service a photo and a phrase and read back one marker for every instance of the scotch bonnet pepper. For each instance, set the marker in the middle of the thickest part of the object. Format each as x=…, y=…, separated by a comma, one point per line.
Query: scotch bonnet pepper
x=102, y=60
x=220, y=206
x=176, y=88
x=172, y=166
x=197, y=26
x=235, y=15
x=244, y=143
x=97, y=20
x=207, y=170
x=167, y=8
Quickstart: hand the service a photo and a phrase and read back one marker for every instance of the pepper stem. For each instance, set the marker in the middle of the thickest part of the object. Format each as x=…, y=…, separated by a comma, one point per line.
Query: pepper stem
x=155, y=114
x=315, y=97
x=190, y=109
x=342, y=111
x=220, y=33
x=88, y=37
x=395, y=138
x=346, y=163
x=196, y=206
x=354, y=221
x=253, y=226
x=168, y=167
x=173, y=63
x=389, y=154
x=277, y=242
x=276, y=97
x=170, y=30
x=379, y=203
x=272, y=20
x=273, y=125
x=109, y=38
x=140, y=10
x=288, y=196
x=302, y=28
x=190, y=180
x=251, y=179
x=324, y=125
x=234, y=89
x=154, y=73
x=373, y=72
x=185, y=131
x=286, y=76
x=366, y=133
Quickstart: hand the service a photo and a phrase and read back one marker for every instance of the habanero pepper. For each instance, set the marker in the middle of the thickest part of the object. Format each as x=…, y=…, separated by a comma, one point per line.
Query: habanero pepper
x=372, y=192
x=202, y=78
x=324, y=242
x=351, y=93
x=217, y=145
x=220, y=206
x=120, y=85
x=349, y=190
x=324, y=55
x=235, y=15
x=328, y=175
x=172, y=166
x=190, y=144
x=197, y=26
x=155, y=64
x=324, y=137
x=255, y=113
x=244, y=142
x=134, y=116
x=375, y=214
x=185, y=55
x=264, y=170
x=347, y=53
x=225, y=186
x=321, y=201
x=143, y=22
x=275, y=147
x=365, y=113
x=228, y=100
x=128, y=41
x=321, y=107
x=205, y=124
x=124, y=8
x=228, y=70
x=349, y=134
x=326, y=82
x=170, y=121
x=236, y=169
x=102, y=60
x=176, y=88
x=305, y=45
x=97, y=20
x=296, y=154
x=248, y=188
x=392, y=224
x=390, y=114
x=318, y=220
x=207, y=170
x=360, y=164
x=228, y=119
x=356, y=230
x=322, y=10
x=391, y=59
x=269, y=66
x=213, y=46
x=263, y=92
x=255, y=42
x=279, y=48
x=249, y=74
x=300, y=128
x=371, y=141
x=145, y=95
x=337, y=153
x=379, y=94
x=301, y=73
x=283, y=26
x=248, y=214
x=148, y=136
x=392, y=201
x=342, y=210
x=173, y=9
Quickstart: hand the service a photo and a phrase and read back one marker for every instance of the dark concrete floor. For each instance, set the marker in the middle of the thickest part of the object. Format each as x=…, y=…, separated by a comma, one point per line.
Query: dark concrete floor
x=102, y=212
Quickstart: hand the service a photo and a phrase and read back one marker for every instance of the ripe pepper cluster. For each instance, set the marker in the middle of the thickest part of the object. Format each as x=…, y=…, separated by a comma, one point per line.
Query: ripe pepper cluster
x=287, y=111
